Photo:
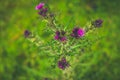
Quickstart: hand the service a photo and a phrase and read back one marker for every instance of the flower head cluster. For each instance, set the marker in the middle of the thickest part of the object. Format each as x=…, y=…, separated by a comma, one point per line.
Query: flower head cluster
x=63, y=64
x=60, y=36
x=42, y=10
x=97, y=23
x=78, y=32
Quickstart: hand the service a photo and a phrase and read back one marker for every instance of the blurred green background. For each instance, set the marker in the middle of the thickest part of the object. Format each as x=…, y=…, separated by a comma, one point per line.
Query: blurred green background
x=20, y=60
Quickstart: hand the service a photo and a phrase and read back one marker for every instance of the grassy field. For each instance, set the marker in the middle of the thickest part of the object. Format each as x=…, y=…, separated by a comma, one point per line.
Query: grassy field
x=20, y=60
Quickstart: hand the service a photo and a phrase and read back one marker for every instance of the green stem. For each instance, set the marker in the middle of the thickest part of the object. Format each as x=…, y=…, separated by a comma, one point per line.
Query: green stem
x=61, y=50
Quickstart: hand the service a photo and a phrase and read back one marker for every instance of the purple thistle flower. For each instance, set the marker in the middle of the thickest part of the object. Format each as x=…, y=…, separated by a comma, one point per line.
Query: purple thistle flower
x=43, y=12
x=63, y=64
x=81, y=32
x=97, y=23
x=63, y=39
x=27, y=33
x=56, y=37
x=60, y=36
x=57, y=32
x=78, y=32
x=39, y=6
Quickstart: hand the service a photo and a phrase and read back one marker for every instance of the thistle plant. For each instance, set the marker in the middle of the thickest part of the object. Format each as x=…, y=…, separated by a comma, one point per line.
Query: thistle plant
x=65, y=43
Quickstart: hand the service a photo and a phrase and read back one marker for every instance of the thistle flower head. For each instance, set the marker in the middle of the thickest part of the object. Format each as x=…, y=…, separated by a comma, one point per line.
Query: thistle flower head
x=60, y=36
x=27, y=33
x=63, y=64
x=43, y=12
x=39, y=6
x=78, y=32
x=81, y=32
x=97, y=23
